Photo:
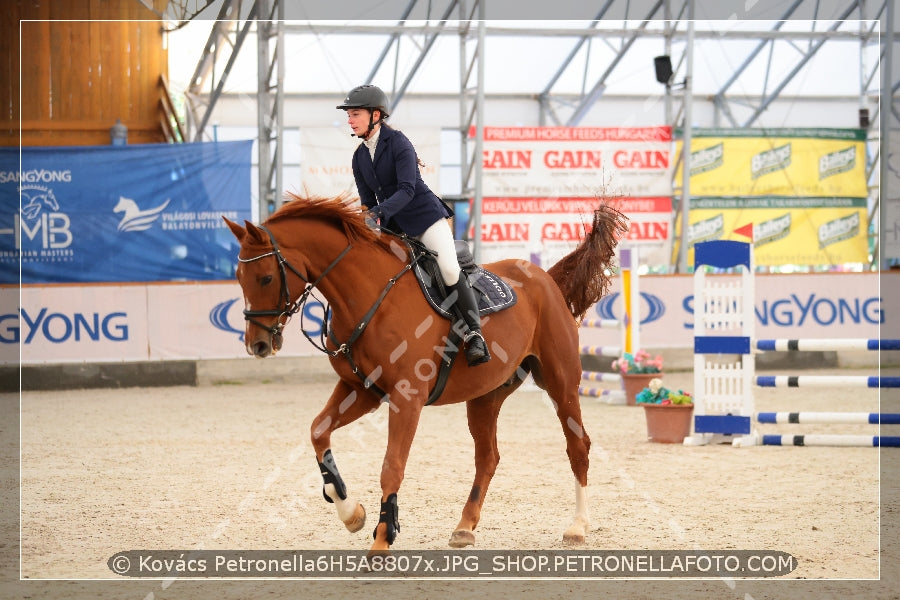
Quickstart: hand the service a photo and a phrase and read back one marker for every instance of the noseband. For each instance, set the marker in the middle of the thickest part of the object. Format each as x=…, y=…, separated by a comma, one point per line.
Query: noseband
x=287, y=308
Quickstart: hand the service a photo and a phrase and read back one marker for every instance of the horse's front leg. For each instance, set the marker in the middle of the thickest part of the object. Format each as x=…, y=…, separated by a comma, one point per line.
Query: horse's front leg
x=346, y=404
x=402, y=424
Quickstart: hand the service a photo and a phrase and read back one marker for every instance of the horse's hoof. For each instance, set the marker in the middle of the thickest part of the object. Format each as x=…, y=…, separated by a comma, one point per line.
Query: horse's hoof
x=358, y=520
x=379, y=549
x=573, y=537
x=462, y=538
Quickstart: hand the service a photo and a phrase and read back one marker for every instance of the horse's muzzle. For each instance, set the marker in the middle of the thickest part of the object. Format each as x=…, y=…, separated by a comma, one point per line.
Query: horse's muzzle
x=262, y=348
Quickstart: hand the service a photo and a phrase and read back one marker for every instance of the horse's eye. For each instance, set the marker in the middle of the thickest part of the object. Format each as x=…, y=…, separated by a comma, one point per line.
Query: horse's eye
x=266, y=280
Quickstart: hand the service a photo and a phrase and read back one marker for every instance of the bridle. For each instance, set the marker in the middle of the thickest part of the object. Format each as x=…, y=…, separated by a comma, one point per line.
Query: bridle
x=287, y=309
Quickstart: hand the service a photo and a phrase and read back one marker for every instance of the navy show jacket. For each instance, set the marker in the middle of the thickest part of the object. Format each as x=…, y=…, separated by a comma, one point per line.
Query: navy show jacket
x=392, y=184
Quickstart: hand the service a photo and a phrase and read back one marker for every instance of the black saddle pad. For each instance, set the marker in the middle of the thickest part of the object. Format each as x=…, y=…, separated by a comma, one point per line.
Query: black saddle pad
x=492, y=293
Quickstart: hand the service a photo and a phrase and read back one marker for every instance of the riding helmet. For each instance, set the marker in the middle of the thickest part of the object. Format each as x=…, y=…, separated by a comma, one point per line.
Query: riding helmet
x=367, y=96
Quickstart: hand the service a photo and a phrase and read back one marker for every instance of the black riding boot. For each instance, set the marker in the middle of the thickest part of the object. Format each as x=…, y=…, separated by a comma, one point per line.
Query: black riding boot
x=476, y=348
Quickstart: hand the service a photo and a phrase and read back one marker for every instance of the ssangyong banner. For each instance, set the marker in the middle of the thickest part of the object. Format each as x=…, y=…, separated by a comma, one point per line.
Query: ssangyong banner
x=540, y=186
x=796, y=306
x=134, y=322
x=190, y=321
x=136, y=213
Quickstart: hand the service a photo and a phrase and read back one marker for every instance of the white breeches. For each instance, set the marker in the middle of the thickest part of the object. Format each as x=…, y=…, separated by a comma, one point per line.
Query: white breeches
x=439, y=237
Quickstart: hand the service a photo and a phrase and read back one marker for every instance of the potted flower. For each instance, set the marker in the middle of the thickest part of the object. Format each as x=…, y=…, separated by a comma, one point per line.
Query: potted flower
x=637, y=370
x=668, y=413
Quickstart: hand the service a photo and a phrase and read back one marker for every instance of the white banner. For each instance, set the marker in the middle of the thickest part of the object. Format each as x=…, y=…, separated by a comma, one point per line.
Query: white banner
x=103, y=323
x=326, y=153
x=543, y=230
x=207, y=321
x=86, y=323
x=580, y=162
x=814, y=305
x=542, y=184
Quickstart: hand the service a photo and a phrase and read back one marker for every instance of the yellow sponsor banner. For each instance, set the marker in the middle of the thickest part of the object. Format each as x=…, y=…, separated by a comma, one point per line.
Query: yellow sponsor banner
x=780, y=162
x=785, y=231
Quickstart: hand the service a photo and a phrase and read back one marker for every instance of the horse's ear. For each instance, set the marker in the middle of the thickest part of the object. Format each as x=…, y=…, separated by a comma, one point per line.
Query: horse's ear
x=256, y=233
x=238, y=231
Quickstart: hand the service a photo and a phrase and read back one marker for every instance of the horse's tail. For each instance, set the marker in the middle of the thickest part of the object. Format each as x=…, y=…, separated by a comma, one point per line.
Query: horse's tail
x=583, y=275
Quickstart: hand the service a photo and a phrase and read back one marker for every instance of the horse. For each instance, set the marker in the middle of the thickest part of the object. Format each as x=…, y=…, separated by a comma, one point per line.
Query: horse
x=385, y=342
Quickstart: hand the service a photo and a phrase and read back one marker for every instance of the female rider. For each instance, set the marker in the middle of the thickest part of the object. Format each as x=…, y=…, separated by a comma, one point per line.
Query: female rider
x=390, y=186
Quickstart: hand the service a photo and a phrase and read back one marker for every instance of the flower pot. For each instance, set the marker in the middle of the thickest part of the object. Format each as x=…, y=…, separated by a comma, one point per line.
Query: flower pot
x=634, y=384
x=668, y=423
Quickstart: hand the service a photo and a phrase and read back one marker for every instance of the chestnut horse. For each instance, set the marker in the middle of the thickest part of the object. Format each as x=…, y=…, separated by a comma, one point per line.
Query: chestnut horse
x=383, y=335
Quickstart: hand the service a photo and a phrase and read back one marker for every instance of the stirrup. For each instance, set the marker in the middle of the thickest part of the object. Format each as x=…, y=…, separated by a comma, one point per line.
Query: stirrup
x=476, y=348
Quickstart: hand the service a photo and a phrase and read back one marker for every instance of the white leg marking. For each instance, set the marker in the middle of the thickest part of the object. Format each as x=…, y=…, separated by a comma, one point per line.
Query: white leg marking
x=345, y=508
x=581, y=505
x=577, y=531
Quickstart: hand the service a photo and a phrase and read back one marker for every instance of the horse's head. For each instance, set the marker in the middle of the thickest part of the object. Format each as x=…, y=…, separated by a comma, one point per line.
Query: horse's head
x=265, y=278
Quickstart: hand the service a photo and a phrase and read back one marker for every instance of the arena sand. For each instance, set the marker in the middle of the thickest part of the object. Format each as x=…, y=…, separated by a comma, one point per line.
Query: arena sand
x=230, y=466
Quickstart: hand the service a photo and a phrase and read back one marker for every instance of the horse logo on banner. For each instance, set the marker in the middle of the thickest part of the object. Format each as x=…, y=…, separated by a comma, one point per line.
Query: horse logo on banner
x=134, y=218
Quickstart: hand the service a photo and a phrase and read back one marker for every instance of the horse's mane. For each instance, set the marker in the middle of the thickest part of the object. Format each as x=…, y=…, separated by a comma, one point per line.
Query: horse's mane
x=341, y=210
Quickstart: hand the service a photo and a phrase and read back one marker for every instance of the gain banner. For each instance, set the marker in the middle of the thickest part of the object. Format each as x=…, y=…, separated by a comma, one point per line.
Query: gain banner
x=541, y=185
x=799, y=194
x=150, y=212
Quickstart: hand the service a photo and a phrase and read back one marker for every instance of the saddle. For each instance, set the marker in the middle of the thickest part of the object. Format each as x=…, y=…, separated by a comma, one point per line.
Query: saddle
x=492, y=293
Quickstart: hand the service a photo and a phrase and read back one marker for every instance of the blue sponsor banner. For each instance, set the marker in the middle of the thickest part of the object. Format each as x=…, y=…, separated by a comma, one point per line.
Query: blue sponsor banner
x=138, y=213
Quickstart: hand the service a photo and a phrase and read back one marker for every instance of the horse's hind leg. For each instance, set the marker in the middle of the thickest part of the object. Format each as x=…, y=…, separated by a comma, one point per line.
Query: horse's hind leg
x=567, y=403
x=482, y=414
x=345, y=405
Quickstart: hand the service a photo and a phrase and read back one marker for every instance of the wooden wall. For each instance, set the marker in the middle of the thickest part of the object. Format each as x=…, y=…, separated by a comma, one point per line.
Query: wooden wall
x=84, y=64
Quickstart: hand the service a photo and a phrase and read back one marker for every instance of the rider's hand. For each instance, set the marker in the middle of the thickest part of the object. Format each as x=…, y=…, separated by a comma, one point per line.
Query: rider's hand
x=373, y=218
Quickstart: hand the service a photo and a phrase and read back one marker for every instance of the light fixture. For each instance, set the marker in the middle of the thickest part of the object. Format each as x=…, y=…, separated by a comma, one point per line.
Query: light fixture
x=663, y=66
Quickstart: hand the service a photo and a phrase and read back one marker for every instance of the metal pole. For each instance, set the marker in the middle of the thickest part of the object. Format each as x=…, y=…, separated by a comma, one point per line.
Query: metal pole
x=279, y=108
x=264, y=157
x=667, y=50
x=885, y=151
x=479, y=136
x=463, y=107
x=686, y=147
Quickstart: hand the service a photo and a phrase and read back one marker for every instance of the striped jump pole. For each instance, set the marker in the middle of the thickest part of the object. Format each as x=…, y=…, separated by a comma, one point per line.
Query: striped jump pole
x=601, y=376
x=616, y=396
x=829, y=417
x=610, y=396
x=601, y=323
x=831, y=440
x=825, y=345
x=609, y=351
x=627, y=326
x=795, y=381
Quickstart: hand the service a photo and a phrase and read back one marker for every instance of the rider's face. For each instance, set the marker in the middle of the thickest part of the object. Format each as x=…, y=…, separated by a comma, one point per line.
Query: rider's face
x=358, y=119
